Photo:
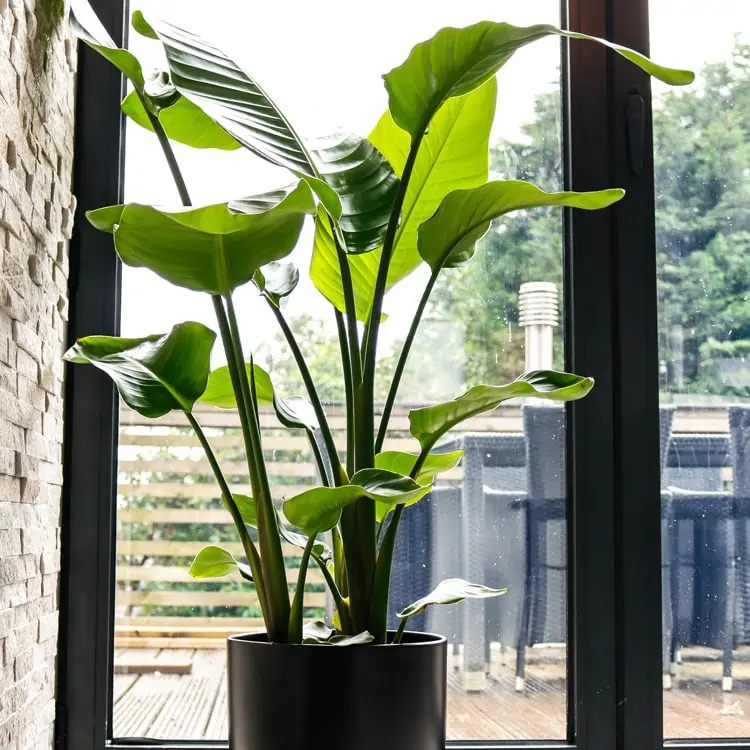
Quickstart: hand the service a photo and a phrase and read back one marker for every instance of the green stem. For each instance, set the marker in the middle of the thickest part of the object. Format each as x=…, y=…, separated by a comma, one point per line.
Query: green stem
x=382, y=583
x=251, y=553
x=351, y=315
x=339, y=565
x=312, y=393
x=371, y=341
x=166, y=147
x=272, y=555
x=295, y=615
x=401, y=364
x=400, y=632
x=349, y=393
x=321, y=464
x=341, y=606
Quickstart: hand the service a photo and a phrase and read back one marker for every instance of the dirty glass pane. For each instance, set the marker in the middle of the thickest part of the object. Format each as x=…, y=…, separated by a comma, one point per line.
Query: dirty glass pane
x=702, y=158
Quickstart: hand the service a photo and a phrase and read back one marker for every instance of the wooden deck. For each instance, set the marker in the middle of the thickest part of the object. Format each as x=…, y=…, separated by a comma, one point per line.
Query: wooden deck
x=181, y=694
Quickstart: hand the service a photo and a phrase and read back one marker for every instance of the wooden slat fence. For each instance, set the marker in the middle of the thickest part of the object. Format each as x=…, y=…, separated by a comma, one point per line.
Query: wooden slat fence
x=169, y=508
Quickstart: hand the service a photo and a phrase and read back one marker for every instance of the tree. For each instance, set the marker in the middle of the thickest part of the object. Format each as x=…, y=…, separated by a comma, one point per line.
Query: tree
x=702, y=170
x=525, y=246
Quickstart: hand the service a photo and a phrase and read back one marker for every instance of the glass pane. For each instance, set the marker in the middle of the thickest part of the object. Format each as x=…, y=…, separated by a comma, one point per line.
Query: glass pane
x=507, y=675
x=702, y=187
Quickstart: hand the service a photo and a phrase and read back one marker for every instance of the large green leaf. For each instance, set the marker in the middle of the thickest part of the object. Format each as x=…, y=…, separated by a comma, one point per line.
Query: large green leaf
x=450, y=591
x=430, y=423
x=319, y=509
x=219, y=391
x=215, y=562
x=325, y=270
x=346, y=172
x=366, y=184
x=402, y=463
x=183, y=122
x=247, y=508
x=155, y=374
x=456, y=61
x=449, y=238
x=454, y=154
x=86, y=25
x=210, y=249
x=226, y=93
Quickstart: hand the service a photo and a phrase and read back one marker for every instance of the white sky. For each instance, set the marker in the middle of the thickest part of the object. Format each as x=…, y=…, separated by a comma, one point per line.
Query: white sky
x=322, y=62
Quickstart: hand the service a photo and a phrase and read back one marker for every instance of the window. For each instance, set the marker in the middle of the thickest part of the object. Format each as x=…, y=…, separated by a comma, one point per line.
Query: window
x=561, y=505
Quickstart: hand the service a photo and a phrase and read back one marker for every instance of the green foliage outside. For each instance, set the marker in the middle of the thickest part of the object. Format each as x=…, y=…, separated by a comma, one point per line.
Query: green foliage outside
x=702, y=155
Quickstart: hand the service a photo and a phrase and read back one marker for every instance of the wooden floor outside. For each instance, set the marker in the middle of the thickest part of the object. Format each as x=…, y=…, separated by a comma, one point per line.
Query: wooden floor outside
x=181, y=694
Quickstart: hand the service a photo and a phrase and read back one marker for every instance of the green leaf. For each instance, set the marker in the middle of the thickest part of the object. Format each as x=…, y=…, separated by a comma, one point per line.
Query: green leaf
x=296, y=413
x=155, y=374
x=319, y=509
x=219, y=391
x=278, y=280
x=365, y=183
x=454, y=154
x=212, y=562
x=85, y=24
x=316, y=631
x=403, y=463
x=210, y=249
x=430, y=423
x=142, y=26
x=107, y=218
x=320, y=549
x=227, y=94
x=325, y=270
x=449, y=238
x=456, y=61
x=183, y=122
x=246, y=506
x=352, y=640
x=450, y=591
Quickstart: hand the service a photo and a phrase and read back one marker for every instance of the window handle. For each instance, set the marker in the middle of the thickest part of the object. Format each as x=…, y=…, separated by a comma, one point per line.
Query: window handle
x=635, y=122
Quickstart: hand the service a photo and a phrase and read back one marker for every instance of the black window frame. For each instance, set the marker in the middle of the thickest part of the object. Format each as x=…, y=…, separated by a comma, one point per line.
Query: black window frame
x=614, y=554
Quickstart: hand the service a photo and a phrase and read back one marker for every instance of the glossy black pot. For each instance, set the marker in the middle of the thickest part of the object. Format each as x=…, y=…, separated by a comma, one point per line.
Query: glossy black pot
x=284, y=697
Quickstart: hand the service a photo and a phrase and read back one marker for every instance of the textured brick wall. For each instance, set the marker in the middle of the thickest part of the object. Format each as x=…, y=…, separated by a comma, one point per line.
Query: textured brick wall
x=36, y=209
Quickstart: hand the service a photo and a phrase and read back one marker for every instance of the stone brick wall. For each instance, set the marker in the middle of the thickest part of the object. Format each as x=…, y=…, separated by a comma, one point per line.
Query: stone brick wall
x=36, y=209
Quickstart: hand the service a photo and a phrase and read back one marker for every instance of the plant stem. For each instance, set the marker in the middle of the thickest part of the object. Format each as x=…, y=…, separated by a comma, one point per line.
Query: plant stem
x=251, y=553
x=401, y=364
x=400, y=632
x=295, y=615
x=349, y=394
x=321, y=464
x=381, y=586
x=341, y=606
x=351, y=315
x=272, y=556
x=166, y=147
x=382, y=583
x=371, y=341
x=312, y=392
x=339, y=565
x=254, y=560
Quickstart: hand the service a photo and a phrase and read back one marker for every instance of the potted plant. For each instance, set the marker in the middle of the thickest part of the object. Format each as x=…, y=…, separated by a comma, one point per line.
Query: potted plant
x=415, y=191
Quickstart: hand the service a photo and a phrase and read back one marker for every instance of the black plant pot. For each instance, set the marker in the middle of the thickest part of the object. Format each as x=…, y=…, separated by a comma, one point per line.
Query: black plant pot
x=284, y=697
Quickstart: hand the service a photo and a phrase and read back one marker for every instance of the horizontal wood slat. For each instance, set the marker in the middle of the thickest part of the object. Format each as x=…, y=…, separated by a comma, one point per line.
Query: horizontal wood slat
x=174, y=548
x=177, y=490
x=190, y=598
x=179, y=574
